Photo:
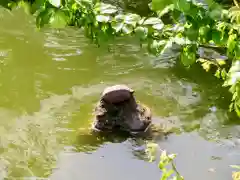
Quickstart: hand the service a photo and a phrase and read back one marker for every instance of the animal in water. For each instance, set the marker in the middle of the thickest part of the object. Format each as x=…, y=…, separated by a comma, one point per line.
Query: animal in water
x=117, y=109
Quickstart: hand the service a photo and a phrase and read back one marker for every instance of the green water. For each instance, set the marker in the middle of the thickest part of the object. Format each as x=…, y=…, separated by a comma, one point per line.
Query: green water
x=49, y=82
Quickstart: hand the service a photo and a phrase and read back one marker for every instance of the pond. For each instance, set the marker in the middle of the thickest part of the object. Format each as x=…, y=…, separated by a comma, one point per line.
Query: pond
x=50, y=81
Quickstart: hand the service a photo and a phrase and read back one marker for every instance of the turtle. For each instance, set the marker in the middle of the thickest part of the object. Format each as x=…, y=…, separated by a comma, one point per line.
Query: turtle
x=117, y=93
x=117, y=109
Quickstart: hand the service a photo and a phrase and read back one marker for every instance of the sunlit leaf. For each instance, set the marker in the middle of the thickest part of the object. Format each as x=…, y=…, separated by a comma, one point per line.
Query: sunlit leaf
x=158, y=5
x=224, y=74
x=158, y=26
x=127, y=29
x=166, y=10
x=172, y=156
x=231, y=42
x=236, y=175
x=206, y=66
x=58, y=20
x=119, y=17
x=188, y=57
x=182, y=5
x=152, y=21
x=235, y=166
x=181, y=40
x=169, y=173
x=117, y=26
x=221, y=62
x=157, y=46
x=56, y=3
x=237, y=50
x=141, y=32
x=160, y=165
x=132, y=19
x=218, y=73
x=237, y=109
x=102, y=18
x=106, y=8
x=234, y=13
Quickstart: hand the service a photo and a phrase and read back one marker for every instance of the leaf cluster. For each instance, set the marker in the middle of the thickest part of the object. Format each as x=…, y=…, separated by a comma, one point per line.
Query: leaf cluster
x=165, y=161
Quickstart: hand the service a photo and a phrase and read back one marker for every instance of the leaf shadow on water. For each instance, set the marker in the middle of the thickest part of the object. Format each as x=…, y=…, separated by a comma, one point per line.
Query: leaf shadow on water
x=210, y=117
x=89, y=142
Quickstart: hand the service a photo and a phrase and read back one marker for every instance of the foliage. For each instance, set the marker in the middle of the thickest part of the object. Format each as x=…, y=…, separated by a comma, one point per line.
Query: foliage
x=165, y=160
x=236, y=175
x=194, y=25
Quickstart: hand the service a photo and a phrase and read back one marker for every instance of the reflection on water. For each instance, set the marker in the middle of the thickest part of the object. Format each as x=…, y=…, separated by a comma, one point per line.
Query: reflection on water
x=50, y=81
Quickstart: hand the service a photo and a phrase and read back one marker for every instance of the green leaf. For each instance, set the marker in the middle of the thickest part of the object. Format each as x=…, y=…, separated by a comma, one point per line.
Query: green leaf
x=43, y=17
x=56, y=3
x=235, y=166
x=158, y=5
x=141, y=32
x=237, y=50
x=169, y=173
x=106, y=8
x=166, y=10
x=58, y=20
x=127, y=29
x=182, y=5
x=224, y=74
x=117, y=26
x=181, y=40
x=152, y=21
x=215, y=11
x=157, y=46
x=7, y=4
x=158, y=26
x=216, y=36
x=102, y=18
x=119, y=17
x=38, y=4
x=203, y=30
x=132, y=19
x=188, y=56
x=191, y=33
x=204, y=34
x=218, y=73
x=161, y=165
x=231, y=43
x=237, y=109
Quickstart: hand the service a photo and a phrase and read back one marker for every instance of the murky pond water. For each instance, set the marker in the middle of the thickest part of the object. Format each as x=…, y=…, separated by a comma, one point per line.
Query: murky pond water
x=49, y=82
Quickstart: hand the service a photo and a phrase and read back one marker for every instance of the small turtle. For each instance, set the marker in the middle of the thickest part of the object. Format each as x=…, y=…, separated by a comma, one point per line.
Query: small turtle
x=116, y=94
x=118, y=108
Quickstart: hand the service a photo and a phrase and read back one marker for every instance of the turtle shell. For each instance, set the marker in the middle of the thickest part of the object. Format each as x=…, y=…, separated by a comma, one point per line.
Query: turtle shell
x=117, y=93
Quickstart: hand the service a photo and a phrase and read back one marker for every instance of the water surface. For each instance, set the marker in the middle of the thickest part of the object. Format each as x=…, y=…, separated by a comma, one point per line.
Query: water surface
x=49, y=82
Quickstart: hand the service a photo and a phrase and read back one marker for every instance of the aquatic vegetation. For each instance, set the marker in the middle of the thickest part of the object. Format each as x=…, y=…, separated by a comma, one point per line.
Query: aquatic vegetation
x=29, y=144
x=165, y=160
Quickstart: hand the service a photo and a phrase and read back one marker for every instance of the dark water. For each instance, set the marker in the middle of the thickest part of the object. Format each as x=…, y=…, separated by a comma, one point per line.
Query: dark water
x=49, y=82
